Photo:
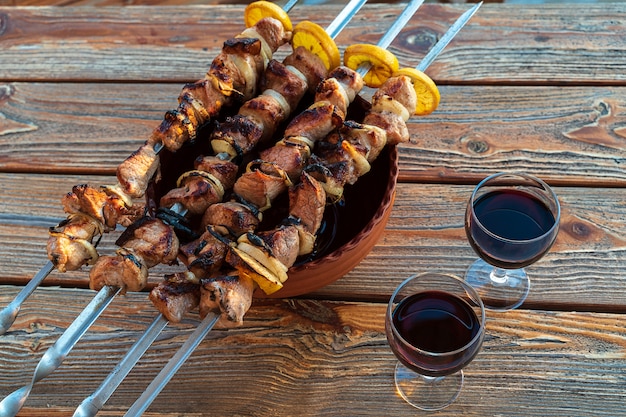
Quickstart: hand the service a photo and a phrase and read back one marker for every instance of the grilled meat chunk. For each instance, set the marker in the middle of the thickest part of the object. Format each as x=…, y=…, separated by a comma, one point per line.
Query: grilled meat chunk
x=196, y=191
x=393, y=125
x=204, y=256
x=177, y=295
x=227, y=295
x=372, y=138
x=231, y=218
x=225, y=171
x=315, y=123
x=339, y=88
x=135, y=172
x=285, y=82
x=283, y=242
x=262, y=183
x=309, y=65
x=307, y=201
x=70, y=243
x=154, y=241
x=108, y=209
x=126, y=270
x=291, y=156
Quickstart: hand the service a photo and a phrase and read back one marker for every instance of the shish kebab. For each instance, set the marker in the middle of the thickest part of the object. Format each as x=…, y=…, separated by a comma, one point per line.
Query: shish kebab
x=94, y=402
x=400, y=90
x=82, y=232
x=52, y=359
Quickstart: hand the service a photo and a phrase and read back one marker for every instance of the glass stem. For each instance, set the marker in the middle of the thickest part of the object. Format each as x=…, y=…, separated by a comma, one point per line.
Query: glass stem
x=498, y=276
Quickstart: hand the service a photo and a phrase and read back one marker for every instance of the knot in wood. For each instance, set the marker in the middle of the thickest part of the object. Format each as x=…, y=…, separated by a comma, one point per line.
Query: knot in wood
x=477, y=146
x=4, y=23
x=6, y=91
x=580, y=229
x=421, y=39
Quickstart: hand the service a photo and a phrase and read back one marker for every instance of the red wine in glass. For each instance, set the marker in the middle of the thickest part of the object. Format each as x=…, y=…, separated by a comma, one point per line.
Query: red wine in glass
x=439, y=322
x=435, y=327
x=511, y=222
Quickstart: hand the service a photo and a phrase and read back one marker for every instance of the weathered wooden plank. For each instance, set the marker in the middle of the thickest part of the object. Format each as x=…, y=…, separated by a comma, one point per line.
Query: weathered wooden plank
x=317, y=358
x=425, y=232
x=565, y=135
x=502, y=44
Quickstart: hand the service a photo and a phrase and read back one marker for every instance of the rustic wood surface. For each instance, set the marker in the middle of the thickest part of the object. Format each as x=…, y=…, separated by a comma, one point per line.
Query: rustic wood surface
x=535, y=88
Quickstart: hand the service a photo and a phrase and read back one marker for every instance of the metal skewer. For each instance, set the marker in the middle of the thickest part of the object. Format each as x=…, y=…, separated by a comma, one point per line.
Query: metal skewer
x=9, y=313
x=172, y=366
x=55, y=355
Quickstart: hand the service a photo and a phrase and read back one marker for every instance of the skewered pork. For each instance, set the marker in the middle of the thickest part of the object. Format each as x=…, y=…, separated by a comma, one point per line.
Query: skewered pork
x=145, y=243
x=232, y=78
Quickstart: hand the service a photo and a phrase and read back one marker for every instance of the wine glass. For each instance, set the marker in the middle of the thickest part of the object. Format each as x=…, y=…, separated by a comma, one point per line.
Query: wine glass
x=435, y=325
x=511, y=221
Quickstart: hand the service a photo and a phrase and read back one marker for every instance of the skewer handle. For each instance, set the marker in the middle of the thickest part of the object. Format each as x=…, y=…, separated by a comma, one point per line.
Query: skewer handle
x=9, y=313
x=342, y=19
x=57, y=353
x=172, y=366
x=92, y=404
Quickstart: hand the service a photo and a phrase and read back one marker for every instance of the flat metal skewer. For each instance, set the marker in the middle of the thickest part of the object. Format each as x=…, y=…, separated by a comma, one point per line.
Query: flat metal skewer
x=172, y=366
x=55, y=355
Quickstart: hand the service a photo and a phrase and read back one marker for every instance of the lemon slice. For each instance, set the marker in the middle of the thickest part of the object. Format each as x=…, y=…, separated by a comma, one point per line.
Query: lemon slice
x=383, y=63
x=427, y=92
x=262, y=9
x=314, y=38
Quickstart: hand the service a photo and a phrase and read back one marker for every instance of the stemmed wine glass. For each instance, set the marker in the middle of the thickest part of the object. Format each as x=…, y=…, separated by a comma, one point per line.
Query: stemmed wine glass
x=435, y=325
x=511, y=221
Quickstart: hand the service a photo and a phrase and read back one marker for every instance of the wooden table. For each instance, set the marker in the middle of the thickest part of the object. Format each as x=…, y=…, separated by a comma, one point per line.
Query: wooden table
x=534, y=88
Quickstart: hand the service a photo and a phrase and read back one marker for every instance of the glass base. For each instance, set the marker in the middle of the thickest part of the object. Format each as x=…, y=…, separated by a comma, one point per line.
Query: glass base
x=500, y=289
x=427, y=393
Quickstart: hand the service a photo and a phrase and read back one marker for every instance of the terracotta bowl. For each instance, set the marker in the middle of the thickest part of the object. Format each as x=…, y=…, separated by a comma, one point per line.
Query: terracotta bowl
x=350, y=229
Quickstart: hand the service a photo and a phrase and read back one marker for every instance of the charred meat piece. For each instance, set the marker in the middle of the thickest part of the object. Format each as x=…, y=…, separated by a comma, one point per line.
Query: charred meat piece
x=135, y=172
x=236, y=136
x=292, y=156
x=227, y=295
x=225, y=171
x=231, y=218
x=126, y=270
x=177, y=295
x=285, y=82
x=393, y=125
x=307, y=201
x=108, y=209
x=204, y=256
x=271, y=32
x=399, y=89
x=372, y=138
x=262, y=183
x=315, y=123
x=309, y=65
x=151, y=239
x=196, y=191
x=266, y=111
x=283, y=242
x=70, y=243
x=339, y=88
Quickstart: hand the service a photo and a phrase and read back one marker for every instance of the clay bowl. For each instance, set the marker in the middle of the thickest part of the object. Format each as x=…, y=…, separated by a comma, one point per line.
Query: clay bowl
x=350, y=229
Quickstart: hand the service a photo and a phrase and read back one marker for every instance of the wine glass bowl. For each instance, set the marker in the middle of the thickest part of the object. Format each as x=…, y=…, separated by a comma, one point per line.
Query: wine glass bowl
x=511, y=221
x=435, y=326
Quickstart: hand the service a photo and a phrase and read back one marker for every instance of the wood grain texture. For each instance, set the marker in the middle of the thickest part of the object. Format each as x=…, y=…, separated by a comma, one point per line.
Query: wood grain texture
x=300, y=351
x=564, y=135
x=501, y=44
